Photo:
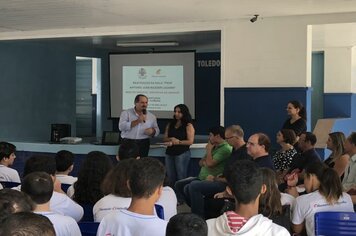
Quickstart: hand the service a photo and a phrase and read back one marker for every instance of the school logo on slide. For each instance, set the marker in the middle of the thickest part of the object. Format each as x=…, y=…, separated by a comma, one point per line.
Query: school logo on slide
x=142, y=73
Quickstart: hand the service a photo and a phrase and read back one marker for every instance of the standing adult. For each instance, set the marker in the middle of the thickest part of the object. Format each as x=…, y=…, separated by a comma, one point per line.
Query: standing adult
x=297, y=118
x=179, y=135
x=139, y=125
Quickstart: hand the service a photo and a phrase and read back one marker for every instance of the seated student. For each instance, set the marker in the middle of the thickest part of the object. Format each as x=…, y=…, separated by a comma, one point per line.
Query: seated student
x=324, y=190
x=349, y=181
x=258, y=146
x=212, y=164
x=128, y=149
x=60, y=202
x=27, y=224
x=245, y=184
x=12, y=201
x=186, y=224
x=64, y=165
x=39, y=187
x=283, y=157
x=114, y=187
x=146, y=183
x=7, y=157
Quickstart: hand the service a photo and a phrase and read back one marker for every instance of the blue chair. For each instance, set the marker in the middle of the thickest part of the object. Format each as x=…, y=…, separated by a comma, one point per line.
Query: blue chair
x=335, y=223
x=88, y=212
x=88, y=228
x=6, y=184
x=159, y=211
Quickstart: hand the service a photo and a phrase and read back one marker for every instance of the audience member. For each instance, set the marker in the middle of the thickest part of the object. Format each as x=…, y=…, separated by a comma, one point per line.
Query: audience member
x=92, y=172
x=179, y=135
x=245, y=184
x=338, y=159
x=139, y=125
x=60, y=203
x=297, y=118
x=146, y=183
x=324, y=190
x=39, y=186
x=12, y=201
x=114, y=187
x=283, y=157
x=258, y=146
x=64, y=165
x=186, y=224
x=202, y=192
x=212, y=164
x=27, y=224
x=349, y=181
x=7, y=157
x=128, y=149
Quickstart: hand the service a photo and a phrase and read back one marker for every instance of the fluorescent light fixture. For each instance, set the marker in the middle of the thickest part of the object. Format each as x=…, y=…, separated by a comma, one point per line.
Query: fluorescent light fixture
x=147, y=44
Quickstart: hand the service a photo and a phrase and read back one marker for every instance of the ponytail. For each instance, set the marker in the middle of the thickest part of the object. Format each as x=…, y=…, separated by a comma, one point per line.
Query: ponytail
x=330, y=185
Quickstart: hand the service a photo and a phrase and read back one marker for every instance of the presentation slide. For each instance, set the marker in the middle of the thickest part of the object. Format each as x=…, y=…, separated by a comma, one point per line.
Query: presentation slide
x=162, y=84
x=167, y=79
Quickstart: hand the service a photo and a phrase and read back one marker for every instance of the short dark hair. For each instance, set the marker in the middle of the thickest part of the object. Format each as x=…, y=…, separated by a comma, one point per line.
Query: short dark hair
x=186, y=224
x=218, y=130
x=137, y=98
x=64, y=160
x=28, y=224
x=352, y=138
x=146, y=176
x=115, y=182
x=245, y=181
x=12, y=201
x=128, y=149
x=40, y=163
x=263, y=139
x=310, y=137
x=39, y=186
x=288, y=136
x=6, y=149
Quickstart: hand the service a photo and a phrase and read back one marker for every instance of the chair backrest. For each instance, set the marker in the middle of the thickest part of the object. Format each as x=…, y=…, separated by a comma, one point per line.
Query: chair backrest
x=65, y=187
x=88, y=212
x=335, y=223
x=159, y=211
x=6, y=184
x=88, y=228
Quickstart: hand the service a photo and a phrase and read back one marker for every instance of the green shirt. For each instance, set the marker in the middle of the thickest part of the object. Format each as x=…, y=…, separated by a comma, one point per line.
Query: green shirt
x=220, y=154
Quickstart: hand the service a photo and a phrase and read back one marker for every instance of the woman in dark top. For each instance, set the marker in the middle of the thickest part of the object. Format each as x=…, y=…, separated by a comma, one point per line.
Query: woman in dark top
x=297, y=118
x=178, y=136
x=338, y=159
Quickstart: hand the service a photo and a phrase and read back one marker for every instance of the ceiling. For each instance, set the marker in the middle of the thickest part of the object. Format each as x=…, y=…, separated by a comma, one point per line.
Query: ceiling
x=18, y=16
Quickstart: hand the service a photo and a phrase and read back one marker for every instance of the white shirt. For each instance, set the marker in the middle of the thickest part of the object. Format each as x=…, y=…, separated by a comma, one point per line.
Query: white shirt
x=125, y=222
x=307, y=205
x=349, y=180
x=136, y=132
x=168, y=201
x=287, y=199
x=9, y=175
x=62, y=204
x=108, y=204
x=66, y=179
x=63, y=225
x=70, y=191
x=257, y=225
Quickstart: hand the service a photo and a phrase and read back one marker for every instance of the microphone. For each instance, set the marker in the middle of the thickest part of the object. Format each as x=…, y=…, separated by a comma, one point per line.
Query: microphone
x=144, y=111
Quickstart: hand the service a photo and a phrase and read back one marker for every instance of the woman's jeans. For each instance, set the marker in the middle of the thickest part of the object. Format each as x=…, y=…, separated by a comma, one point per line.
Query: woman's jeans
x=177, y=166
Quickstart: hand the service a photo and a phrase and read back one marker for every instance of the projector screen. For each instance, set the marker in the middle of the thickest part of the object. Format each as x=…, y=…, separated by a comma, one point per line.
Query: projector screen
x=167, y=79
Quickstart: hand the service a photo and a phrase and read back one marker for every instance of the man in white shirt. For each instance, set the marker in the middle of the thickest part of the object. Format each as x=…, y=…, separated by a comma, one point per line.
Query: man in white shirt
x=139, y=125
x=64, y=165
x=7, y=157
x=146, y=183
x=39, y=186
x=60, y=202
x=245, y=184
x=349, y=180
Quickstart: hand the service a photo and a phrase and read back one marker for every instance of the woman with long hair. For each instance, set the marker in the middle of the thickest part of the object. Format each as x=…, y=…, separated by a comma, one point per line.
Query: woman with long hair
x=324, y=193
x=297, y=118
x=283, y=157
x=338, y=159
x=178, y=137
